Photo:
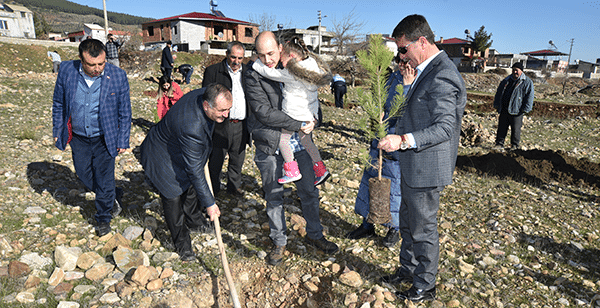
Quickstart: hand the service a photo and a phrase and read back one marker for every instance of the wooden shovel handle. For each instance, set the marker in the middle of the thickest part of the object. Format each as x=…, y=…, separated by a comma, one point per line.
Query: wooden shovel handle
x=232, y=289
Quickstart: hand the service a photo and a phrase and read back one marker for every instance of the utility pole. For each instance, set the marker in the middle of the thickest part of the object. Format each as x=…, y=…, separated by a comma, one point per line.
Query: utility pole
x=105, y=20
x=320, y=18
x=567, y=70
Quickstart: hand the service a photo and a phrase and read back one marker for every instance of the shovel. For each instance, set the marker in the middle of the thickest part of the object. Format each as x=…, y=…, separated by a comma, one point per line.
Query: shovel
x=232, y=290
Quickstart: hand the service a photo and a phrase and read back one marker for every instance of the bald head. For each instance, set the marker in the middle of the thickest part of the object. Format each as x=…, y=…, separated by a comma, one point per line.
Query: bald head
x=267, y=48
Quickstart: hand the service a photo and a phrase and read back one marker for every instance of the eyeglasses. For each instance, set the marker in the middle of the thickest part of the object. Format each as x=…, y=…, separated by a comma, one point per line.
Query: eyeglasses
x=403, y=50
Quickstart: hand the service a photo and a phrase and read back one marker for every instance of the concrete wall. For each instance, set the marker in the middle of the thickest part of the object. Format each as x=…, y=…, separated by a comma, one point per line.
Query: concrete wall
x=48, y=43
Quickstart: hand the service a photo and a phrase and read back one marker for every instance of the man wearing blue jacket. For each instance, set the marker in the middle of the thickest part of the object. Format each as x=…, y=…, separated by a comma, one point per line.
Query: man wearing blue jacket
x=513, y=99
x=91, y=111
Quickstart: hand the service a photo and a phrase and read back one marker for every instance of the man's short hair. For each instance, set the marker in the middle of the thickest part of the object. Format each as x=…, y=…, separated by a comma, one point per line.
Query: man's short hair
x=109, y=36
x=235, y=44
x=213, y=90
x=169, y=43
x=93, y=47
x=413, y=27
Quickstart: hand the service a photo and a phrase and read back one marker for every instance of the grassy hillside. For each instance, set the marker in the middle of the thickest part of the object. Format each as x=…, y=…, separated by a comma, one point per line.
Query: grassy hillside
x=74, y=8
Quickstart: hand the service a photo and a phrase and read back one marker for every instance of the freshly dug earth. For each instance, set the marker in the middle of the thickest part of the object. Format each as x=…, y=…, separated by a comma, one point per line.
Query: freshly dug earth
x=534, y=166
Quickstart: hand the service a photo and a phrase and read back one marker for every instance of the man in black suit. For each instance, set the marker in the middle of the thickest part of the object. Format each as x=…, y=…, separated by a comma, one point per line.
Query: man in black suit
x=427, y=135
x=231, y=136
x=174, y=155
x=166, y=61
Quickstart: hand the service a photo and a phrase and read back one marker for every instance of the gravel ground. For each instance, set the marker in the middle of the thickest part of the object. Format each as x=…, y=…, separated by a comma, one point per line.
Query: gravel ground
x=517, y=229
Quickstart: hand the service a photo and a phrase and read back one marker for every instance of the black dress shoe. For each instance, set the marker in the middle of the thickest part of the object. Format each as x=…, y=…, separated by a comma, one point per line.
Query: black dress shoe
x=396, y=278
x=391, y=238
x=187, y=255
x=360, y=232
x=417, y=295
x=103, y=228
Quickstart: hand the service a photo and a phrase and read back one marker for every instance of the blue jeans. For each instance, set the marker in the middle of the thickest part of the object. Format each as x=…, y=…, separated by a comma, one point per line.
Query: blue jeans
x=391, y=170
x=95, y=167
x=270, y=167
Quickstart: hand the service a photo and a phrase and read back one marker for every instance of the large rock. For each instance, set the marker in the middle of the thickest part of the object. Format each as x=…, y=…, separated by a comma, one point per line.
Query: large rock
x=35, y=261
x=351, y=278
x=66, y=257
x=18, y=269
x=109, y=298
x=88, y=259
x=114, y=242
x=143, y=274
x=127, y=258
x=67, y=304
x=57, y=277
x=99, y=271
x=132, y=232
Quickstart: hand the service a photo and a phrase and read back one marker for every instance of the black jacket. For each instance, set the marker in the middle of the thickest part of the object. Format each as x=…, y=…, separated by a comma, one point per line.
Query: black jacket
x=218, y=73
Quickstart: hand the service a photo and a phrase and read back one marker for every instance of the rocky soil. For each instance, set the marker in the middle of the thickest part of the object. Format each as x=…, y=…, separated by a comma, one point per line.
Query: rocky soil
x=517, y=229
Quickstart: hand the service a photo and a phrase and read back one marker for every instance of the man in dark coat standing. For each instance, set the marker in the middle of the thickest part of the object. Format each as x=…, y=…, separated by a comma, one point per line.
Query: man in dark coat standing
x=174, y=155
x=166, y=62
x=427, y=134
x=231, y=136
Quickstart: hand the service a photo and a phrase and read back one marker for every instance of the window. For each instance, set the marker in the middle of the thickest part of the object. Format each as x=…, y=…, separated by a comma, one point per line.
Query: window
x=23, y=15
x=248, y=32
x=150, y=31
x=174, y=30
x=3, y=25
x=218, y=30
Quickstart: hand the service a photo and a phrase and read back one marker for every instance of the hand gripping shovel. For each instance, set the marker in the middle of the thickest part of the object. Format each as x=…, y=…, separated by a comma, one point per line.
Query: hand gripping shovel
x=232, y=290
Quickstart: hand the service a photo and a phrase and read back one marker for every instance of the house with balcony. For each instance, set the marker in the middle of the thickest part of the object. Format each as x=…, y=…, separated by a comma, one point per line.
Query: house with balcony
x=198, y=31
x=16, y=21
x=461, y=52
x=310, y=36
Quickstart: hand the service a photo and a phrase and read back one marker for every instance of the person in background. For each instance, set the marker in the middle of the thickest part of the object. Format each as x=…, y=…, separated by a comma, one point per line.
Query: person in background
x=55, y=57
x=174, y=154
x=169, y=93
x=231, y=136
x=91, y=111
x=166, y=62
x=112, y=50
x=338, y=88
x=186, y=71
x=427, y=135
x=513, y=99
x=404, y=76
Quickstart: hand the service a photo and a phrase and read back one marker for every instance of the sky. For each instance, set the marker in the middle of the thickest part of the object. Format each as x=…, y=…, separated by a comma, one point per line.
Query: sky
x=516, y=26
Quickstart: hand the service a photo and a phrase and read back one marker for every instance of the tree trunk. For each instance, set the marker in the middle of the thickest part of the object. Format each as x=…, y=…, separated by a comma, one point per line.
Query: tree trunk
x=379, y=201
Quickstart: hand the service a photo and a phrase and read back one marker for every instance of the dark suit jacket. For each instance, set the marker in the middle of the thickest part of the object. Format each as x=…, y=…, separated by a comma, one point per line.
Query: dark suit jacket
x=177, y=148
x=115, y=107
x=218, y=73
x=166, y=58
x=434, y=108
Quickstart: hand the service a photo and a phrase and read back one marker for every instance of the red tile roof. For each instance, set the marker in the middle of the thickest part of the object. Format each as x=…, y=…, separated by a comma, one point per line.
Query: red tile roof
x=453, y=40
x=545, y=52
x=200, y=16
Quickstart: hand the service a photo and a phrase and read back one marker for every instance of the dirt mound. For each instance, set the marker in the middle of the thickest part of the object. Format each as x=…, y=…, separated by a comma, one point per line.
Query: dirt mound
x=534, y=166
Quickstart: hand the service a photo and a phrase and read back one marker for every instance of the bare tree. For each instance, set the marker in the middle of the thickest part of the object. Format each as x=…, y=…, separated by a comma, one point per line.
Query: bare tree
x=267, y=22
x=346, y=31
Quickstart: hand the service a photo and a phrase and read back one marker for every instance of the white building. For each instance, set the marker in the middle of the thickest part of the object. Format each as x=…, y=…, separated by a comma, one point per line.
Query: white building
x=16, y=21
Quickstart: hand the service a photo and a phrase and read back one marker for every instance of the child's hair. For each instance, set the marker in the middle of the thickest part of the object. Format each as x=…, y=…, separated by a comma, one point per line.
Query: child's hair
x=163, y=80
x=297, y=46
